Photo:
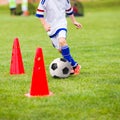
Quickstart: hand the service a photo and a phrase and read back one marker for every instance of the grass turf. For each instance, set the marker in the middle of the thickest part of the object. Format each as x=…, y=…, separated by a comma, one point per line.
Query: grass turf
x=93, y=95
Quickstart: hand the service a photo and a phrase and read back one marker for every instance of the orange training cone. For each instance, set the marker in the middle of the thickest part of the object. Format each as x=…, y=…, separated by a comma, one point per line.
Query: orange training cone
x=39, y=86
x=16, y=66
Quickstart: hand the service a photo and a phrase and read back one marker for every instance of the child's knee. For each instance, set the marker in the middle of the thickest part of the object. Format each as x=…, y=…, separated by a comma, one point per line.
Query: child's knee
x=62, y=41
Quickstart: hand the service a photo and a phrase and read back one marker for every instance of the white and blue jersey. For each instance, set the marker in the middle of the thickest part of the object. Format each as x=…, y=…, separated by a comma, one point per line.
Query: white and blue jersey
x=54, y=12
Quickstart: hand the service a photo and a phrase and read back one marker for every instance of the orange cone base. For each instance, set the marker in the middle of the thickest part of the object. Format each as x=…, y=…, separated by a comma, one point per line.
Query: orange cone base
x=28, y=95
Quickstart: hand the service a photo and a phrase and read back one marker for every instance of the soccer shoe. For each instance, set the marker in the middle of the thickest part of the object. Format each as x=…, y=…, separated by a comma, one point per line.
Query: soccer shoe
x=77, y=70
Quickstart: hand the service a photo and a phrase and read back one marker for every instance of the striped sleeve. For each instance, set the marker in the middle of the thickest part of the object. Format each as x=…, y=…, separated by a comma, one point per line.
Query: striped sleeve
x=40, y=10
x=69, y=9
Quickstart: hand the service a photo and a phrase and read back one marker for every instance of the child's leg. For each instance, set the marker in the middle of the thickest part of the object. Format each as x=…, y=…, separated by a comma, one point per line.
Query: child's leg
x=13, y=11
x=60, y=43
x=65, y=51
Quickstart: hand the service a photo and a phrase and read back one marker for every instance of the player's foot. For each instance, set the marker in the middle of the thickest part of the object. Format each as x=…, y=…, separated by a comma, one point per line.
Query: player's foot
x=76, y=70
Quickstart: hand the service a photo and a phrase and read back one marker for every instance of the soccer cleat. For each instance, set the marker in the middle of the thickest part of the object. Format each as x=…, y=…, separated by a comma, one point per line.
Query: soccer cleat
x=77, y=70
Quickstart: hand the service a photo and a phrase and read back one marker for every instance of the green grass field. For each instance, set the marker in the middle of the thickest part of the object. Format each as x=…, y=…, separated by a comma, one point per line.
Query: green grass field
x=93, y=95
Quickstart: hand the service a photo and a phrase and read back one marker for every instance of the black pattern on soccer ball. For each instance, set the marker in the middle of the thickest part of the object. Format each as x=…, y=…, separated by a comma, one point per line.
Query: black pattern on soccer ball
x=62, y=59
x=60, y=68
x=54, y=66
x=65, y=70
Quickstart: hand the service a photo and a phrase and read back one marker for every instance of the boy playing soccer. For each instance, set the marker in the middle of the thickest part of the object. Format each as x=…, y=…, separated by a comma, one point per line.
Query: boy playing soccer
x=52, y=14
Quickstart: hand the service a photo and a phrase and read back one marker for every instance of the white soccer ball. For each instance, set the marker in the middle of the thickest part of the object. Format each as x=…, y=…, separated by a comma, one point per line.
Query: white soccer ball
x=60, y=68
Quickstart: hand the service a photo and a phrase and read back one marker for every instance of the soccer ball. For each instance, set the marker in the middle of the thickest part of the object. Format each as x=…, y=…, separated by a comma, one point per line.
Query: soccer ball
x=60, y=68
